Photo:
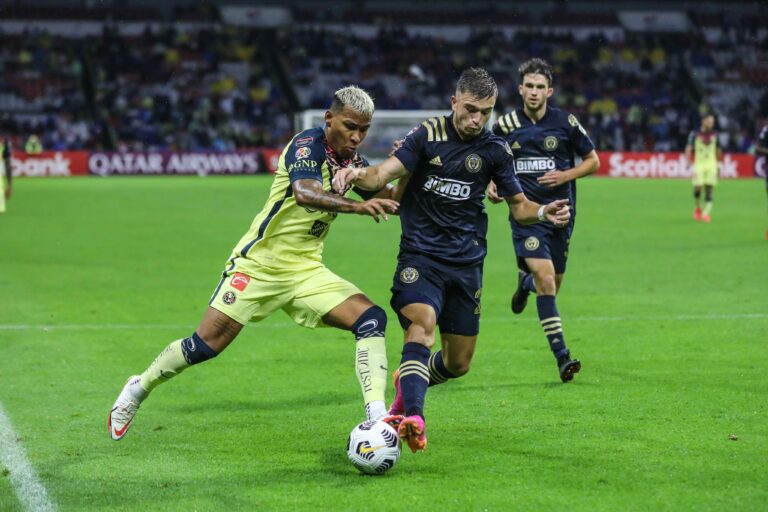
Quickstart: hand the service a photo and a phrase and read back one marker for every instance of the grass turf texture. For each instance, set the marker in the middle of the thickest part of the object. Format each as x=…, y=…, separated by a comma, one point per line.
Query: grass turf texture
x=668, y=316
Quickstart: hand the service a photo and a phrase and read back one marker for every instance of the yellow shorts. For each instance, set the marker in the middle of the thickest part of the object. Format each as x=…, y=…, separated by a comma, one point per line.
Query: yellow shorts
x=305, y=295
x=704, y=175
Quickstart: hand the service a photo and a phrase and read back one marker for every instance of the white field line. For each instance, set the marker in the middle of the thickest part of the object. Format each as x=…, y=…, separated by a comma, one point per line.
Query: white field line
x=29, y=490
x=492, y=320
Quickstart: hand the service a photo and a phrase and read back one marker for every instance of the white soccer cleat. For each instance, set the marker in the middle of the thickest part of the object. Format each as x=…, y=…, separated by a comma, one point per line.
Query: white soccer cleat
x=124, y=409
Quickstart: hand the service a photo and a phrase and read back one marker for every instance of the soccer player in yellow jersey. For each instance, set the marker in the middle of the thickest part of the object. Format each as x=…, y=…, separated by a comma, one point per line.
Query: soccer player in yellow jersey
x=704, y=152
x=6, y=175
x=277, y=264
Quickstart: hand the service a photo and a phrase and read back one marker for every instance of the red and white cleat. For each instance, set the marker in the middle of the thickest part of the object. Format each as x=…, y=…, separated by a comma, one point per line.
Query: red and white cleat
x=697, y=214
x=124, y=409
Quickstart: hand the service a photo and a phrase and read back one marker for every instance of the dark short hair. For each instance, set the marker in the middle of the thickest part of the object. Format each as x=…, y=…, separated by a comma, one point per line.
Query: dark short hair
x=536, y=66
x=477, y=82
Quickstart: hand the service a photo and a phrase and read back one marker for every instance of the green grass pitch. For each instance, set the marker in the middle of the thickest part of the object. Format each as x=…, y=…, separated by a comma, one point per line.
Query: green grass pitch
x=669, y=317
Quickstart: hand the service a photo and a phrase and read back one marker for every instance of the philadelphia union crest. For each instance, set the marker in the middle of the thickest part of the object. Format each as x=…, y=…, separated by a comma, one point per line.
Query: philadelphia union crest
x=409, y=275
x=473, y=163
x=531, y=243
x=550, y=143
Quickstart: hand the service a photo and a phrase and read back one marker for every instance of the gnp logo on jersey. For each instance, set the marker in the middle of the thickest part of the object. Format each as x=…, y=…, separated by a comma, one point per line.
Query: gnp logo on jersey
x=409, y=275
x=228, y=298
x=531, y=243
x=473, y=163
x=453, y=189
x=531, y=165
x=239, y=281
x=550, y=143
x=303, y=152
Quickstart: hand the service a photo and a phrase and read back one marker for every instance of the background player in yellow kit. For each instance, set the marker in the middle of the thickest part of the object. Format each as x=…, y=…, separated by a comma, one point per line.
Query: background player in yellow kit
x=704, y=151
x=277, y=264
x=6, y=175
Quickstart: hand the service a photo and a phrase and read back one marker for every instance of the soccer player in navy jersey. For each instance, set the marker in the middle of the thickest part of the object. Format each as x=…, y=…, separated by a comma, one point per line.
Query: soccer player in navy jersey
x=444, y=166
x=546, y=142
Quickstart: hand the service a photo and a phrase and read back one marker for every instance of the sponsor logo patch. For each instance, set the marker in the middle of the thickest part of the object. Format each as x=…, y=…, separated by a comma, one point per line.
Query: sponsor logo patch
x=239, y=281
x=531, y=243
x=532, y=165
x=550, y=143
x=409, y=275
x=445, y=187
x=304, y=141
x=229, y=298
x=436, y=161
x=303, y=152
x=473, y=163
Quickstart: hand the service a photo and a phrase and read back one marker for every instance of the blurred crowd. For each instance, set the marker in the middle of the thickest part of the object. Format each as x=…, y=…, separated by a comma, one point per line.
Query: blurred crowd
x=223, y=88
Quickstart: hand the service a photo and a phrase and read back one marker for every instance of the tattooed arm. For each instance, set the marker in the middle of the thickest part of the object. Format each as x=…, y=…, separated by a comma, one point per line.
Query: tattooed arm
x=309, y=193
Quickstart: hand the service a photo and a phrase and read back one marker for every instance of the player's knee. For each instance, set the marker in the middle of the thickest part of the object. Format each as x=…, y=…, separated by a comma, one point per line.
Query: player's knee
x=373, y=322
x=545, y=283
x=196, y=350
x=458, y=368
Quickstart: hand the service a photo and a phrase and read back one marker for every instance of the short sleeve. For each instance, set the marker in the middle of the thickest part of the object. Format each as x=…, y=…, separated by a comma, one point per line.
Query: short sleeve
x=505, y=176
x=304, y=158
x=763, y=138
x=578, y=137
x=691, y=138
x=411, y=151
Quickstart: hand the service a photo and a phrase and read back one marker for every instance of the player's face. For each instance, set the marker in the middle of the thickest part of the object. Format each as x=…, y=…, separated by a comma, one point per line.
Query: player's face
x=470, y=114
x=708, y=123
x=346, y=130
x=535, y=90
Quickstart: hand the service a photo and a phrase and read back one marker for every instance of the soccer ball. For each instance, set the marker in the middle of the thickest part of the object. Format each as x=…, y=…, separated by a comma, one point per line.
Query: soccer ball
x=373, y=447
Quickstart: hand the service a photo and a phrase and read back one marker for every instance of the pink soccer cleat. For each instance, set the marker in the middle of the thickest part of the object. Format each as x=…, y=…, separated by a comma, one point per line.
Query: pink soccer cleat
x=397, y=408
x=697, y=213
x=412, y=431
x=706, y=218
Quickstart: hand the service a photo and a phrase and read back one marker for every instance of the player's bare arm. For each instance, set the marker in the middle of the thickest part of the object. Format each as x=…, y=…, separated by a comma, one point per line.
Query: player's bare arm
x=590, y=163
x=761, y=150
x=529, y=212
x=309, y=193
x=374, y=177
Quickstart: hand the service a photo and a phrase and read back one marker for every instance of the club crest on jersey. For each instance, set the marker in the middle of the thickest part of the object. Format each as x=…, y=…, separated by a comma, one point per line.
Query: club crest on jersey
x=229, y=298
x=409, y=275
x=531, y=243
x=303, y=152
x=239, y=281
x=473, y=163
x=550, y=143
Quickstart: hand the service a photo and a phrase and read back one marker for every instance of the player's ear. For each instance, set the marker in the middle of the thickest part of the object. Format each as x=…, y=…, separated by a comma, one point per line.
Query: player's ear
x=550, y=91
x=328, y=116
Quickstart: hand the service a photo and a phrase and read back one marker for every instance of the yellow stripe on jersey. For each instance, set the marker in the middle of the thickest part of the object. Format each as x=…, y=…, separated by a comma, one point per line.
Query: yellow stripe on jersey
x=430, y=131
x=442, y=126
x=505, y=128
x=515, y=120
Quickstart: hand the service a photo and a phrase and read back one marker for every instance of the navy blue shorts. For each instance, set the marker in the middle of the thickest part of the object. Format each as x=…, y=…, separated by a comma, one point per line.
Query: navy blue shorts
x=453, y=291
x=544, y=241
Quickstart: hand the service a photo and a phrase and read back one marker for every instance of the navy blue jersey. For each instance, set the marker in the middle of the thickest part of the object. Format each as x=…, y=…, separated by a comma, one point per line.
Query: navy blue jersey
x=552, y=144
x=441, y=211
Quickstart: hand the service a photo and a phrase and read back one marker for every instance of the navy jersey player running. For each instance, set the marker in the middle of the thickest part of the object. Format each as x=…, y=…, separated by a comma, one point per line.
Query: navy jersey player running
x=445, y=165
x=545, y=141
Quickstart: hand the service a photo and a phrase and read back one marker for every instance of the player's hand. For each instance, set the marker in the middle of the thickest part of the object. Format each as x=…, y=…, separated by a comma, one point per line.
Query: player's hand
x=558, y=212
x=492, y=193
x=376, y=207
x=552, y=179
x=395, y=146
x=344, y=178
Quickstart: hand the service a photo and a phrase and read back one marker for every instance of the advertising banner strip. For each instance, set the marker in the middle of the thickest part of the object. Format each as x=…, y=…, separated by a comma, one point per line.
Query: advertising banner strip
x=618, y=164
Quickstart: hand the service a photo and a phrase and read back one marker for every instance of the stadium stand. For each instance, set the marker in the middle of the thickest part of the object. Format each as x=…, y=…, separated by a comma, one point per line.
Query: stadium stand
x=212, y=86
